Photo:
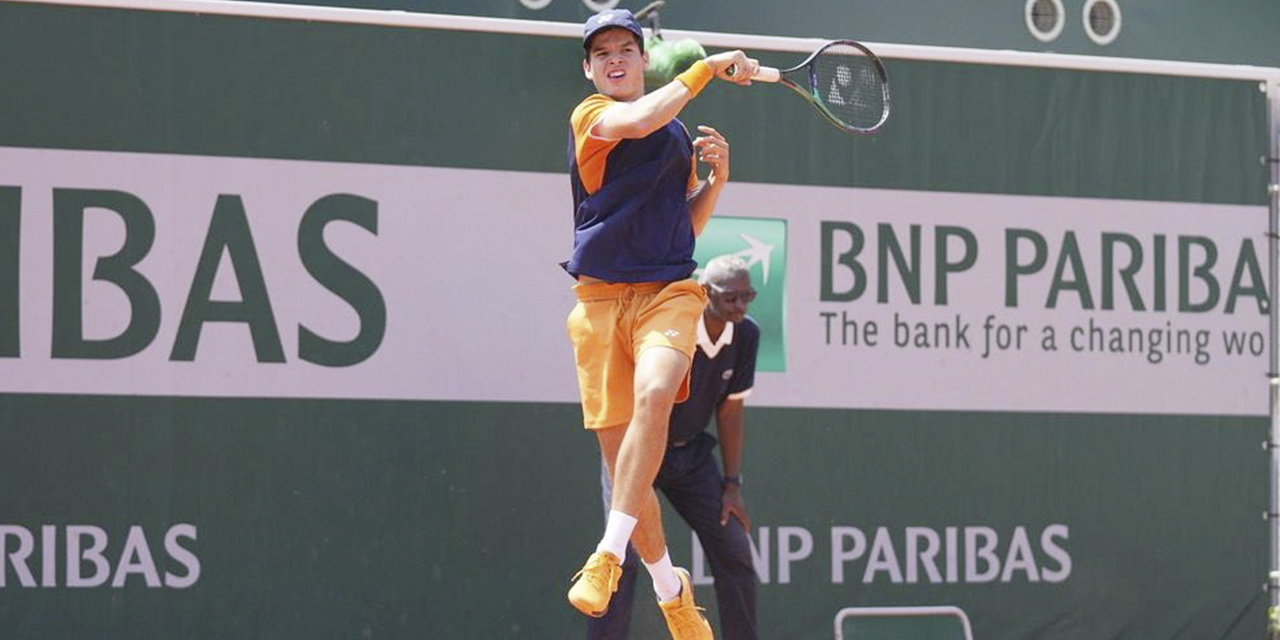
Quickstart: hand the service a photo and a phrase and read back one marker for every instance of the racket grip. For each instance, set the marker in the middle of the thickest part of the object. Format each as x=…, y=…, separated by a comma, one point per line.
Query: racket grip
x=767, y=74
x=763, y=74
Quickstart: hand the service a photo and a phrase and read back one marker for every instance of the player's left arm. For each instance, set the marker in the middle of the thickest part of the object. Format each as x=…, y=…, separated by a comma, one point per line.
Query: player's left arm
x=713, y=149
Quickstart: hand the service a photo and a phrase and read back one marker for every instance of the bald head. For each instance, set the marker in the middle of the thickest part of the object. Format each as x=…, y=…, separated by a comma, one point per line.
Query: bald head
x=727, y=280
x=723, y=269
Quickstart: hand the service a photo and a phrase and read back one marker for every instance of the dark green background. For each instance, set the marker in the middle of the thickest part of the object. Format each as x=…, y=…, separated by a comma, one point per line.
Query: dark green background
x=349, y=519
x=77, y=78
x=1226, y=31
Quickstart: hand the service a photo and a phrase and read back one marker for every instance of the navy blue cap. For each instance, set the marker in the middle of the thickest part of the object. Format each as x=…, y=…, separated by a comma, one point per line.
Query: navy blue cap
x=619, y=18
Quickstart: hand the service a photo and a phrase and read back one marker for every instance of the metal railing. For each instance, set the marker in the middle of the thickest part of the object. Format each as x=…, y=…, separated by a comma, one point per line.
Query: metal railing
x=898, y=612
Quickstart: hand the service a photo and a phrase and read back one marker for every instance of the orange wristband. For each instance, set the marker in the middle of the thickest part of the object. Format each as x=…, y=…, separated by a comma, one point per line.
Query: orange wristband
x=696, y=76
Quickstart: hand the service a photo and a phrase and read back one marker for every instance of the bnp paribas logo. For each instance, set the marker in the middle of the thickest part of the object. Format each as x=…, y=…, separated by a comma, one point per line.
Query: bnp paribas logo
x=762, y=243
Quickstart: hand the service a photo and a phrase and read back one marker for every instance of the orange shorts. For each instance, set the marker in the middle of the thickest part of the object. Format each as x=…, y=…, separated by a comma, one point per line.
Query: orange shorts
x=609, y=327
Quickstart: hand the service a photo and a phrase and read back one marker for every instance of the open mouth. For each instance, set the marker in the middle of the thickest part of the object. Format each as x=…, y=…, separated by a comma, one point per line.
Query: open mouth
x=616, y=74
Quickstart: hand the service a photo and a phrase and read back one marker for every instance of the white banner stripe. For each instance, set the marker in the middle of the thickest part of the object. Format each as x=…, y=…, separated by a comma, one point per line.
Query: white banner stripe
x=466, y=263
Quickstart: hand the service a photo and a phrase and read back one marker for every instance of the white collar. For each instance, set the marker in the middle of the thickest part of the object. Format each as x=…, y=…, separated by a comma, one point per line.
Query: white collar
x=704, y=339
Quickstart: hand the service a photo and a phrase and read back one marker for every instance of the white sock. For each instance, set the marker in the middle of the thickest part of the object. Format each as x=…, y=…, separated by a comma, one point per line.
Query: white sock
x=617, y=532
x=665, y=581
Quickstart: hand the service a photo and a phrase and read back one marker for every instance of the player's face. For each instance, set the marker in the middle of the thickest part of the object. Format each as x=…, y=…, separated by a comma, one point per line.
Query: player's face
x=615, y=64
x=730, y=296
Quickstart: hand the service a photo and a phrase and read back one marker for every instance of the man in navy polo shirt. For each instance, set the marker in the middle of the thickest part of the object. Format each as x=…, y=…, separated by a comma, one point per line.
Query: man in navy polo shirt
x=723, y=374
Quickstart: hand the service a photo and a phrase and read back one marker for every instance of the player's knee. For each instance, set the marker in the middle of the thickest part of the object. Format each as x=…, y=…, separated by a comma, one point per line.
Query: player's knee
x=656, y=393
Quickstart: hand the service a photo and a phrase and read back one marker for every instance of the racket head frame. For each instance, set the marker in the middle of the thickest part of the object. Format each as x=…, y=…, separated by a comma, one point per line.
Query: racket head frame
x=812, y=93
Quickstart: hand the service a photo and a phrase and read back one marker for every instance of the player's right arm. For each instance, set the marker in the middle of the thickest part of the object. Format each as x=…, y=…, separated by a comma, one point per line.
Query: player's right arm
x=655, y=109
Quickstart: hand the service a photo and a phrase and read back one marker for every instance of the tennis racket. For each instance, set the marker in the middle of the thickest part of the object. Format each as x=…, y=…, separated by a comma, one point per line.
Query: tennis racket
x=843, y=79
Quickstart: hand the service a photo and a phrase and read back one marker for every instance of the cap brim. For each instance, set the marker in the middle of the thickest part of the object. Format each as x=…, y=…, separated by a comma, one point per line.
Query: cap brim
x=586, y=42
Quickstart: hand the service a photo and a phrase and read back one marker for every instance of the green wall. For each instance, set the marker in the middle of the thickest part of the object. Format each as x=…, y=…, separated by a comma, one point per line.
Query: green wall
x=347, y=519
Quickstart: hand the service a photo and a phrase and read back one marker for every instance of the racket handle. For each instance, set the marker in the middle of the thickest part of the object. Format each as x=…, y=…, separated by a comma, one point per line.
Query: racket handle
x=763, y=74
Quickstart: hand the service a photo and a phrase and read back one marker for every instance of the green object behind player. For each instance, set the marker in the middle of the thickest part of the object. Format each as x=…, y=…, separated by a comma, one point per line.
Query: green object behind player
x=668, y=58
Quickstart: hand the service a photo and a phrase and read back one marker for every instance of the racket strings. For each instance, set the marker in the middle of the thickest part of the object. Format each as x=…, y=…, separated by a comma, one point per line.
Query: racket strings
x=849, y=85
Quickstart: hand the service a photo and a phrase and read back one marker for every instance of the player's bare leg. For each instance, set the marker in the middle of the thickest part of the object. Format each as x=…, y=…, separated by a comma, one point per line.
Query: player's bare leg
x=633, y=454
x=659, y=373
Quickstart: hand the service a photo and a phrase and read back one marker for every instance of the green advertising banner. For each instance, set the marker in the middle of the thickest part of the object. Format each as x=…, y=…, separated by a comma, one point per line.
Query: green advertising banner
x=762, y=243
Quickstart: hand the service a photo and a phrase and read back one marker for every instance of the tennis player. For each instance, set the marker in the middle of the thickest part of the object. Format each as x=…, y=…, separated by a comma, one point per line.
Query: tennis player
x=724, y=368
x=637, y=208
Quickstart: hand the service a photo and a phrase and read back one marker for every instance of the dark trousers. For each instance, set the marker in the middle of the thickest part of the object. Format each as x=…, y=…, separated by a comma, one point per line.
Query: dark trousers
x=690, y=479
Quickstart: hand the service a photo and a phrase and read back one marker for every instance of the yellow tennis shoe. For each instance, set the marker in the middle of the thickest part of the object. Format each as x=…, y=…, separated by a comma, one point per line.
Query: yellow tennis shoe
x=595, y=584
x=684, y=617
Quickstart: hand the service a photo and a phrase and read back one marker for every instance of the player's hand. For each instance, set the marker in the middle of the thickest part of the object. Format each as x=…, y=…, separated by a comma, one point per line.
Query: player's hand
x=713, y=149
x=732, y=505
x=743, y=67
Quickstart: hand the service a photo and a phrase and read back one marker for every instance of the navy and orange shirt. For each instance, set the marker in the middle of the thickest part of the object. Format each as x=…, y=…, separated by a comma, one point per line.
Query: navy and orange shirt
x=630, y=201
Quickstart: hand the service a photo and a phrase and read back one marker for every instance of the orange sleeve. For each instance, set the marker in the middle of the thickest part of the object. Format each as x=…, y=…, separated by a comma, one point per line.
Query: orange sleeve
x=591, y=152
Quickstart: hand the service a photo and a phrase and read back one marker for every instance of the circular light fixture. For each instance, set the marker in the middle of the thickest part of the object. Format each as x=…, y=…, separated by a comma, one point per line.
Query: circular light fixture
x=1101, y=20
x=1044, y=18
